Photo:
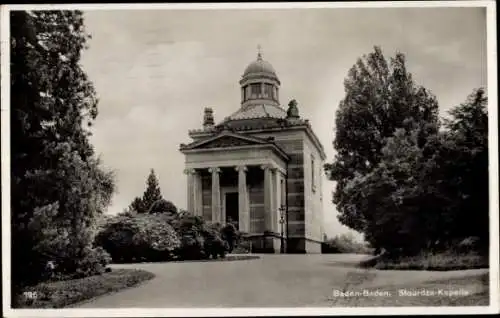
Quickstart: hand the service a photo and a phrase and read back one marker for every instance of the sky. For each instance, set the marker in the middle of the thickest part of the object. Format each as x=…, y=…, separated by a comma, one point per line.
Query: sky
x=155, y=72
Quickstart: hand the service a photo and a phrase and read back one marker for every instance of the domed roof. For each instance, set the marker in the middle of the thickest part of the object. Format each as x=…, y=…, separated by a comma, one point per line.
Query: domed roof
x=259, y=66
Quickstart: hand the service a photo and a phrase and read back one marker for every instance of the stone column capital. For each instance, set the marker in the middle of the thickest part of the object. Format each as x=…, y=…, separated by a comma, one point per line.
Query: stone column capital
x=214, y=170
x=269, y=167
x=266, y=166
x=189, y=171
x=241, y=168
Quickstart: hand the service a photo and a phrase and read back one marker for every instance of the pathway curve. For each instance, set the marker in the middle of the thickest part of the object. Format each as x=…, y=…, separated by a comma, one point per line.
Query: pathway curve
x=273, y=280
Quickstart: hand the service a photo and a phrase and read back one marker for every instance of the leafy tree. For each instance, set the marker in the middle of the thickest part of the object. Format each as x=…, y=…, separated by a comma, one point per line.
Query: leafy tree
x=380, y=97
x=152, y=201
x=420, y=194
x=465, y=156
x=58, y=187
x=400, y=213
x=152, y=193
x=163, y=206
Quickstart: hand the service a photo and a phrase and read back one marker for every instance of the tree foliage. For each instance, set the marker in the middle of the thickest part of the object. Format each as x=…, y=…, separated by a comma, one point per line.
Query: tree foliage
x=152, y=193
x=57, y=184
x=380, y=97
x=151, y=196
x=402, y=178
x=465, y=158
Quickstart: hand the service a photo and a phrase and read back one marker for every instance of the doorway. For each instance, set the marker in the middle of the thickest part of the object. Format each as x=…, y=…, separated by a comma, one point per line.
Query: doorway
x=231, y=206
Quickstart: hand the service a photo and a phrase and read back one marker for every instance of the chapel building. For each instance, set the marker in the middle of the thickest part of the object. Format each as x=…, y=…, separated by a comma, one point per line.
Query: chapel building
x=260, y=168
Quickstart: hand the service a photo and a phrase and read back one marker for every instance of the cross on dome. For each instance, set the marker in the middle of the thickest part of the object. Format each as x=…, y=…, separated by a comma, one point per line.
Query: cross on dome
x=259, y=52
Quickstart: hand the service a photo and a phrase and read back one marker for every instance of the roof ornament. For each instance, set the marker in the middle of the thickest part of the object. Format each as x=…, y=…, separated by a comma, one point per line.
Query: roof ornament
x=259, y=52
x=293, y=110
x=208, y=118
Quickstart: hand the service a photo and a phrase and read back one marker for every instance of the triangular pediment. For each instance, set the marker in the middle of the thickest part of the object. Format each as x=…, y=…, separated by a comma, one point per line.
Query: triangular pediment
x=226, y=140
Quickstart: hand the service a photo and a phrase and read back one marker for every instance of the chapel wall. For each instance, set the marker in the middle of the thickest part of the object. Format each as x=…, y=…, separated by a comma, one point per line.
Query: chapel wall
x=292, y=143
x=313, y=191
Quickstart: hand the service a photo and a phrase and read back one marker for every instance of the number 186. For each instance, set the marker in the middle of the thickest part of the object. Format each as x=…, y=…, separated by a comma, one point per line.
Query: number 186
x=30, y=294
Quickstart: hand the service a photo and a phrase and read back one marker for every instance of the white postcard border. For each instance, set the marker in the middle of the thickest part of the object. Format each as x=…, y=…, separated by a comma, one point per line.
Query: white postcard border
x=182, y=312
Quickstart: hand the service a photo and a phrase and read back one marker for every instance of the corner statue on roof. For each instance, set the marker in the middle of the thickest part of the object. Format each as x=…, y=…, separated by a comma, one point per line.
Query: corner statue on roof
x=261, y=168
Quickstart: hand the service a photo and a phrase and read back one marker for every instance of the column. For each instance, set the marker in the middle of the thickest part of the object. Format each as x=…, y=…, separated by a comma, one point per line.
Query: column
x=243, y=204
x=272, y=205
x=198, y=194
x=267, y=197
x=216, y=210
x=276, y=200
x=190, y=190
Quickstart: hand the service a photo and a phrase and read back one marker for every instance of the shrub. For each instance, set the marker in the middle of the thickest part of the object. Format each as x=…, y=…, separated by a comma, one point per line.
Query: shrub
x=186, y=223
x=214, y=245
x=200, y=240
x=192, y=247
x=164, y=236
x=344, y=243
x=139, y=238
x=243, y=246
x=157, y=236
x=189, y=228
x=162, y=206
x=116, y=238
x=94, y=262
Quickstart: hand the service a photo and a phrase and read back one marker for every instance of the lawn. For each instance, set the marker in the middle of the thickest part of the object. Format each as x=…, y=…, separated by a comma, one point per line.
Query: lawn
x=61, y=294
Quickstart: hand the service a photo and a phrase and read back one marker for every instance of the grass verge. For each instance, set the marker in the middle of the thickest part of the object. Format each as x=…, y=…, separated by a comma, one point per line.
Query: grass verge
x=428, y=261
x=64, y=293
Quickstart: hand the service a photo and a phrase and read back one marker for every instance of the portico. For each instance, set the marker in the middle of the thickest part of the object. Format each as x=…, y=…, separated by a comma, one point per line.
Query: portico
x=254, y=170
